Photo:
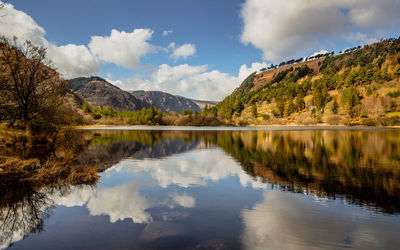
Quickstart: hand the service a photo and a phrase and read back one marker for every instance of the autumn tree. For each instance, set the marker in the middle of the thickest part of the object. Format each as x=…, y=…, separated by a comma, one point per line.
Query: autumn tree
x=254, y=111
x=31, y=93
x=299, y=101
x=350, y=99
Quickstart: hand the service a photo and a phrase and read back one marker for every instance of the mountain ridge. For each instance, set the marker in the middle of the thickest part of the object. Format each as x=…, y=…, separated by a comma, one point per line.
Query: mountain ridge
x=99, y=92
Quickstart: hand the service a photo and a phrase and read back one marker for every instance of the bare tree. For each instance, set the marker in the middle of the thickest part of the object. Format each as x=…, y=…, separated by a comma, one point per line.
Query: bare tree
x=31, y=93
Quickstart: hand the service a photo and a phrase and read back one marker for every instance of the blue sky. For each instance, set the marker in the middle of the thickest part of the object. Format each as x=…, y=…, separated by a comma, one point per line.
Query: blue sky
x=213, y=45
x=213, y=26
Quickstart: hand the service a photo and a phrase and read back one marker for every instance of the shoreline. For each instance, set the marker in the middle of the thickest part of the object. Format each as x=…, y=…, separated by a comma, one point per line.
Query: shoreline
x=250, y=127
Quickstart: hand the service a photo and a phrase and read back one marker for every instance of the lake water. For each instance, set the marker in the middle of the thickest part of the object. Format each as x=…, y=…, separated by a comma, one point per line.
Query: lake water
x=263, y=188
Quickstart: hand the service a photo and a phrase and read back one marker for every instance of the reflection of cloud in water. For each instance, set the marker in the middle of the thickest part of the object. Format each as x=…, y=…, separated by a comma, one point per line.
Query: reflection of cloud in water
x=119, y=203
x=78, y=196
x=184, y=200
x=185, y=170
x=291, y=221
x=189, y=169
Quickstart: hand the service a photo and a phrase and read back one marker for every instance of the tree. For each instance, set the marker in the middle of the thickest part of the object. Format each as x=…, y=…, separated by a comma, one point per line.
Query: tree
x=320, y=95
x=280, y=105
x=299, y=102
x=31, y=93
x=187, y=112
x=335, y=106
x=350, y=99
x=254, y=110
x=290, y=107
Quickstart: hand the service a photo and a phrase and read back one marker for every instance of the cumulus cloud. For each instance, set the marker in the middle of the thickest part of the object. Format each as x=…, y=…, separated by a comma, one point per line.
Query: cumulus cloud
x=284, y=29
x=197, y=82
x=73, y=60
x=17, y=23
x=123, y=48
x=70, y=60
x=167, y=32
x=183, y=51
x=120, y=203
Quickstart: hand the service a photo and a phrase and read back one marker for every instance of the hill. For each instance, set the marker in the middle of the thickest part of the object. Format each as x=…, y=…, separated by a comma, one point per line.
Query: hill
x=359, y=86
x=99, y=92
x=166, y=102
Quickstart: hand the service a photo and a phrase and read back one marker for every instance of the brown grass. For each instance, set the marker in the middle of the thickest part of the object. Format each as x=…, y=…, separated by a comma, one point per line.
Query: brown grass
x=41, y=161
x=265, y=77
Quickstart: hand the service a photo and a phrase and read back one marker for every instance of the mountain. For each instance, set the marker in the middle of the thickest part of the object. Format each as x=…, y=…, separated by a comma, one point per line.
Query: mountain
x=168, y=102
x=99, y=92
x=360, y=86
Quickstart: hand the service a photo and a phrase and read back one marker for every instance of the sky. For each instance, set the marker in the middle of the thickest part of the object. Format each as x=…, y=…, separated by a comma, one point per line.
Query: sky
x=202, y=49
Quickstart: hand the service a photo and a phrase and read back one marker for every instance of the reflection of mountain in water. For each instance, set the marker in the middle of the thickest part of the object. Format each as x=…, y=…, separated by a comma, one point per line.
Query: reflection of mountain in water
x=104, y=155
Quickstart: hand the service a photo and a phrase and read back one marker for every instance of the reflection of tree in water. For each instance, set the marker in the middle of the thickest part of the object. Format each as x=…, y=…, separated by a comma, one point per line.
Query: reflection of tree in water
x=26, y=203
x=31, y=169
x=24, y=210
x=361, y=166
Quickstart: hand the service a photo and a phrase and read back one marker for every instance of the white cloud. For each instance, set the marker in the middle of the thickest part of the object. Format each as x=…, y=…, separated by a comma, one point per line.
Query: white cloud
x=122, y=48
x=73, y=60
x=17, y=23
x=171, y=45
x=245, y=71
x=70, y=60
x=284, y=29
x=322, y=51
x=167, y=32
x=193, y=81
x=120, y=203
x=360, y=38
x=183, y=51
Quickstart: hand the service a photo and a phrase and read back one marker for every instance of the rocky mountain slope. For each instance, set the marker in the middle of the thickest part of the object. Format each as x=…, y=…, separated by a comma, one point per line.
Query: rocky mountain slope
x=167, y=102
x=99, y=92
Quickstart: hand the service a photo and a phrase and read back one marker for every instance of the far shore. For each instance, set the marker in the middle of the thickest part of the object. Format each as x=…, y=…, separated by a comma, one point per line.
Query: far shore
x=320, y=125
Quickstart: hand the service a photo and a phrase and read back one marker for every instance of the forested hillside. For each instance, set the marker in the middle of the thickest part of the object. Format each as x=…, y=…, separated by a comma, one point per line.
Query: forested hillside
x=358, y=86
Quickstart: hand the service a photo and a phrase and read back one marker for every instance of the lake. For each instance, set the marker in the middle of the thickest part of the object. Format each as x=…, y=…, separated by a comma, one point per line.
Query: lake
x=218, y=188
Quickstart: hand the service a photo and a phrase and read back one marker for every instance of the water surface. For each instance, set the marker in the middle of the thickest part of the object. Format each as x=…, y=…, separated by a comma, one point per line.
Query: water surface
x=275, y=188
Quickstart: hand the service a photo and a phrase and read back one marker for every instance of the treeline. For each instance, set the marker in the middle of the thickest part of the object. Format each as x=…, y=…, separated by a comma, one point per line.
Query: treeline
x=149, y=116
x=152, y=116
x=301, y=59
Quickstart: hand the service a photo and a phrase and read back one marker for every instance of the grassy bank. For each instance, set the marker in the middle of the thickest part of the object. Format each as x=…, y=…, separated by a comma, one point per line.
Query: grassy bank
x=41, y=160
